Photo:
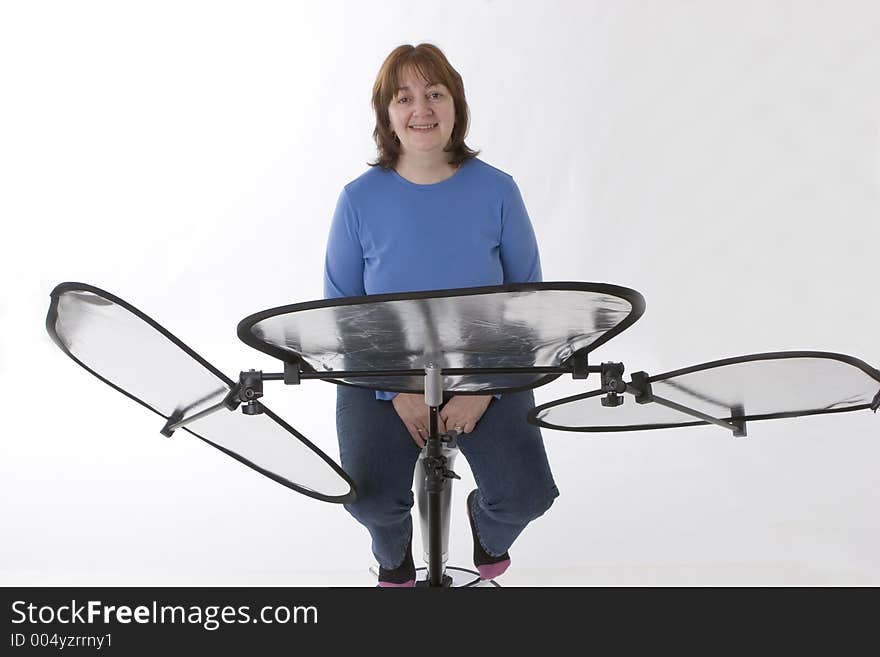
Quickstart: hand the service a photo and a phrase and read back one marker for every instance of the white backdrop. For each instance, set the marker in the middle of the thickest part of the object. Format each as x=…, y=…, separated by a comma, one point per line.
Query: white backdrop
x=721, y=157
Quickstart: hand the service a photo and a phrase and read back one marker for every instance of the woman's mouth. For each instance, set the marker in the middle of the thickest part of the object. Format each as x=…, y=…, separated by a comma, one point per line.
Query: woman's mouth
x=424, y=127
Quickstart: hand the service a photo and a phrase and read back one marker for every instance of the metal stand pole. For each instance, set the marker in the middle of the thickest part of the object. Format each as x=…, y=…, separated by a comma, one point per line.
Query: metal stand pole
x=436, y=474
x=435, y=483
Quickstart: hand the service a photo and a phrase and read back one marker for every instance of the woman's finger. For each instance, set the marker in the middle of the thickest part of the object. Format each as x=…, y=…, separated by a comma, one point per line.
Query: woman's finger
x=417, y=435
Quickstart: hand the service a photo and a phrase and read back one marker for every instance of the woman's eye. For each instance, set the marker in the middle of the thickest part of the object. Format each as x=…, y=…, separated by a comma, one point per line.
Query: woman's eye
x=433, y=93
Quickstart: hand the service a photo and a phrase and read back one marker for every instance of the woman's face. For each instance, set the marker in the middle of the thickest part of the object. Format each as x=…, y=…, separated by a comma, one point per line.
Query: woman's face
x=419, y=103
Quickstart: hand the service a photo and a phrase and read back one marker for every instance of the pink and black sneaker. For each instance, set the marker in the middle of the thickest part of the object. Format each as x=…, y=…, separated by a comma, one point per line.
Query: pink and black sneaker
x=488, y=566
x=404, y=576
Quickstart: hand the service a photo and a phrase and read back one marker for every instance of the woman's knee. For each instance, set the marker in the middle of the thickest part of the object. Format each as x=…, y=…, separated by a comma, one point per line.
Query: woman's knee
x=521, y=509
x=374, y=510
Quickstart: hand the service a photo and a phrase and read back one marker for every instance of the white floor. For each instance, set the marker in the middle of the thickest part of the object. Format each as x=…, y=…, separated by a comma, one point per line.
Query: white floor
x=730, y=574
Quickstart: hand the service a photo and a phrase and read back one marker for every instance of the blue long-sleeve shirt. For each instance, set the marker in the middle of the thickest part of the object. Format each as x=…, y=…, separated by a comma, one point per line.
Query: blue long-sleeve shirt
x=391, y=235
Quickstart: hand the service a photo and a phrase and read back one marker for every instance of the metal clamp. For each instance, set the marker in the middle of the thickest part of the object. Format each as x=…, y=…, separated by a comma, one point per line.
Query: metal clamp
x=613, y=384
x=250, y=390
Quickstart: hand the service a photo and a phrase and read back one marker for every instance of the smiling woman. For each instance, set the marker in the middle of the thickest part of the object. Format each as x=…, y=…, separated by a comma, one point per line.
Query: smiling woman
x=422, y=117
x=430, y=215
x=417, y=86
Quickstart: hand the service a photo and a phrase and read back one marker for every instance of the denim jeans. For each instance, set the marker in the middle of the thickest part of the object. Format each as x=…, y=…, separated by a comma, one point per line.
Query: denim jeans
x=505, y=453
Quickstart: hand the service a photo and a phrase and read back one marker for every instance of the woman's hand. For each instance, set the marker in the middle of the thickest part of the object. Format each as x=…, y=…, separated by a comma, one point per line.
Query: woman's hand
x=415, y=415
x=462, y=412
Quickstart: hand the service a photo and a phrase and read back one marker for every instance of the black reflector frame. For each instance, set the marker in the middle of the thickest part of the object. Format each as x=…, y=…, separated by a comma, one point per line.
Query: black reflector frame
x=132, y=353
x=752, y=387
x=524, y=325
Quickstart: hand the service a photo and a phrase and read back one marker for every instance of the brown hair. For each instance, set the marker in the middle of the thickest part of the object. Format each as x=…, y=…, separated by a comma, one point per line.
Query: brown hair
x=430, y=63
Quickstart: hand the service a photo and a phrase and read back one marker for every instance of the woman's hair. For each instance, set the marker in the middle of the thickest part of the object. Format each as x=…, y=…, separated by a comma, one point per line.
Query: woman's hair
x=430, y=63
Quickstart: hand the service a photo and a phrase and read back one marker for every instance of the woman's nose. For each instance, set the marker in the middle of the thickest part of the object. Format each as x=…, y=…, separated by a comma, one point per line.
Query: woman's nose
x=420, y=105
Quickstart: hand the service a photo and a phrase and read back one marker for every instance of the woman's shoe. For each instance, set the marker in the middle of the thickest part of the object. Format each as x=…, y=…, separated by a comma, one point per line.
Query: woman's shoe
x=488, y=566
x=404, y=576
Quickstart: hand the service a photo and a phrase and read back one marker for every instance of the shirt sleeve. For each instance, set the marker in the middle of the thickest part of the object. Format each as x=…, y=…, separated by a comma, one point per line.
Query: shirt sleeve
x=344, y=259
x=520, y=259
x=519, y=248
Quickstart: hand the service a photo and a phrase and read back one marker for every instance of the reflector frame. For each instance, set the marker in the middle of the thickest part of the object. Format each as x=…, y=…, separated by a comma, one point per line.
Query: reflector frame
x=213, y=386
x=524, y=325
x=584, y=412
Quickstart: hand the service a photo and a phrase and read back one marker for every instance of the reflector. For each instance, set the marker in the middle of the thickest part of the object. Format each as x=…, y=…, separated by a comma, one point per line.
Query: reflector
x=506, y=326
x=132, y=353
x=751, y=387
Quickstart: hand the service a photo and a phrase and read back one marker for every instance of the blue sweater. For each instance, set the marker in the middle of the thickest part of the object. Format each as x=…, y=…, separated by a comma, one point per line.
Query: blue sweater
x=391, y=235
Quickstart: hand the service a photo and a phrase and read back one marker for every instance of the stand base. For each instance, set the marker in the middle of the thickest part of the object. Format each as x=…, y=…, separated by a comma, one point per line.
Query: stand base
x=452, y=577
x=455, y=577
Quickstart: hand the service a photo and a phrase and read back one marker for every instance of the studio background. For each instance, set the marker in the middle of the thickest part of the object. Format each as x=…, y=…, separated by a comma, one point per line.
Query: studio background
x=720, y=157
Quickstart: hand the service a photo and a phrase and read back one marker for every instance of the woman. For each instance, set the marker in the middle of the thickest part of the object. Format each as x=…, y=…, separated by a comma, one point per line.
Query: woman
x=428, y=195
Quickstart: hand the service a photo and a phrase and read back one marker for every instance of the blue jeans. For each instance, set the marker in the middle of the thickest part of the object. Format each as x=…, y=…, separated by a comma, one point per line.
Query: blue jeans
x=505, y=453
